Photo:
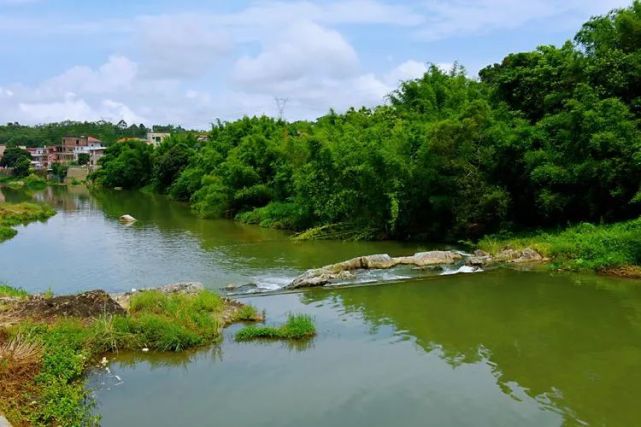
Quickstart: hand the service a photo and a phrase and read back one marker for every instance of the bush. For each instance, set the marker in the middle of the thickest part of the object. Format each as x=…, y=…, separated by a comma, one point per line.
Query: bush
x=288, y=216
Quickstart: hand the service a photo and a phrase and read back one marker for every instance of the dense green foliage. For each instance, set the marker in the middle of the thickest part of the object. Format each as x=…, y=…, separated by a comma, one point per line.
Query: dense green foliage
x=126, y=164
x=545, y=138
x=297, y=327
x=582, y=247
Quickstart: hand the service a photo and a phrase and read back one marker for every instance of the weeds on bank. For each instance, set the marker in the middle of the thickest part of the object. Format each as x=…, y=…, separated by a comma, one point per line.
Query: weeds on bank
x=582, y=247
x=52, y=390
x=298, y=326
x=8, y=291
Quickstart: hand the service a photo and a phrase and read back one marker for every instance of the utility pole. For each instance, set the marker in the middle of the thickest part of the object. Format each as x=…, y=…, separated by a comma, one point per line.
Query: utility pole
x=281, y=103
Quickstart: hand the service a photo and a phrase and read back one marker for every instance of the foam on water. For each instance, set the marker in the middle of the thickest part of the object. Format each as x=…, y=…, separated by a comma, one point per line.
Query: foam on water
x=465, y=269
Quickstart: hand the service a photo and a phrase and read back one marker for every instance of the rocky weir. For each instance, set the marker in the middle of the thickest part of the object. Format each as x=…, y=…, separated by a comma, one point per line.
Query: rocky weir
x=348, y=270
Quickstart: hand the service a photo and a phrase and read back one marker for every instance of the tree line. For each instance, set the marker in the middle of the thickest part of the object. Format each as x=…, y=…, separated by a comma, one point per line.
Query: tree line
x=14, y=134
x=542, y=139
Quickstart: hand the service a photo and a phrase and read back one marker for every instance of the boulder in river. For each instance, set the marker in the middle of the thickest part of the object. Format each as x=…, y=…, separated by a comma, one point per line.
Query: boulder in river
x=128, y=219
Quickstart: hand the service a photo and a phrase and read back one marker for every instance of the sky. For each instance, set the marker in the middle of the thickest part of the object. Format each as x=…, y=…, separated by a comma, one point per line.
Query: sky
x=191, y=63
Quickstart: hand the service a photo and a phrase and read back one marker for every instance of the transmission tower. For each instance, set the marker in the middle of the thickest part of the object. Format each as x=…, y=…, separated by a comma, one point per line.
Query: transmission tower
x=281, y=103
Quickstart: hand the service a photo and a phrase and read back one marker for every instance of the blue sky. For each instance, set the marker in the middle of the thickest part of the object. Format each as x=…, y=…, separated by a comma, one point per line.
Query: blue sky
x=192, y=62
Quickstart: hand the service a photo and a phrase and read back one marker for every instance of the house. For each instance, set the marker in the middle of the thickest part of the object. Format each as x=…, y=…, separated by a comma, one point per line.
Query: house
x=72, y=147
x=2, y=149
x=156, y=138
x=39, y=157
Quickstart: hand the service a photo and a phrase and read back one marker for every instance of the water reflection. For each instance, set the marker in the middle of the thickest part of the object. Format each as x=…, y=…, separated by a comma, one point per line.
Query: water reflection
x=571, y=341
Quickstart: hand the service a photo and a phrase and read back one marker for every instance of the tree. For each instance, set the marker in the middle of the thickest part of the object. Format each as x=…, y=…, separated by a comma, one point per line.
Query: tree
x=127, y=164
x=59, y=170
x=13, y=155
x=21, y=167
x=83, y=159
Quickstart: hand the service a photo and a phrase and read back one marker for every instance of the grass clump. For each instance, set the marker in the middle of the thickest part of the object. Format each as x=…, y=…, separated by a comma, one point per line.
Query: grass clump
x=581, y=247
x=297, y=327
x=8, y=291
x=12, y=214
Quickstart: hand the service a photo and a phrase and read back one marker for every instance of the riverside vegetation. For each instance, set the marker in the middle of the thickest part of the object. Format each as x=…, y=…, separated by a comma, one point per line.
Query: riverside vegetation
x=21, y=213
x=48, y=343
x=545, y=139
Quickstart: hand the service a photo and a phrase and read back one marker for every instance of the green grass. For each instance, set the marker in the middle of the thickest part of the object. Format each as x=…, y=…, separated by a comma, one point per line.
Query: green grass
x=157, y=321
x=12, y=214
x=8, y=291
x=297, y=327
x=581, y=247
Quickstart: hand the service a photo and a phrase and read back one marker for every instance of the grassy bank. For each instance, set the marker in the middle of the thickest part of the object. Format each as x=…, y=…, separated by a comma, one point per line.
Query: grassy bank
x=12, y=214
x=43, y=361
x=612, y=248
x=298, y=326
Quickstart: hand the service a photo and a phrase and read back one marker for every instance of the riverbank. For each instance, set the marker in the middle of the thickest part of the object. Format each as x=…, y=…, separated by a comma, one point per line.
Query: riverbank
x=12, y=214
x=47, y=344
x=613, y=249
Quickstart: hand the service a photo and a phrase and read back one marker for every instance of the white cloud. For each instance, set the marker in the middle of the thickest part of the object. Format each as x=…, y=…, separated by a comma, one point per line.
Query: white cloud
x=457, y=18
x=71, y=107
x=180, y=46
x=118, y=73
x=304, y=50
x=406, y=71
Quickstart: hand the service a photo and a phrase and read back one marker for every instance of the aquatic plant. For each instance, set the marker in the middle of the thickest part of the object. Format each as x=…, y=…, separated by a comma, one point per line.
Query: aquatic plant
x=297, y=327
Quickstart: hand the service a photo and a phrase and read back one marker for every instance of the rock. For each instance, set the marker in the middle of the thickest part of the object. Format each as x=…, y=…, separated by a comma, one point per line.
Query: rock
x=478, y=261
x=182, y=288
x=422, y=259
x=344, y=270
x=507, y=255
x=518, y=256
x=383, y=261
x=529, y=255
x=319, y=277
x=481, y=254
x=118, y=188
x=127, y=218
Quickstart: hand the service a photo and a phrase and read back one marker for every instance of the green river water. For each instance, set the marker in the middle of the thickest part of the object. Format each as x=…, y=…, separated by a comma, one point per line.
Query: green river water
x=499, y=348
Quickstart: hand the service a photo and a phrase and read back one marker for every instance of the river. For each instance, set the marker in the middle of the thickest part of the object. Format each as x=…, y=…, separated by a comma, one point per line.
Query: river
x=500, y=348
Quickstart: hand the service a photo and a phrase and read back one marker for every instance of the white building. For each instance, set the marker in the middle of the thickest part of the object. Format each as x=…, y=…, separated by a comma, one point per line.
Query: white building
x=156, y=138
